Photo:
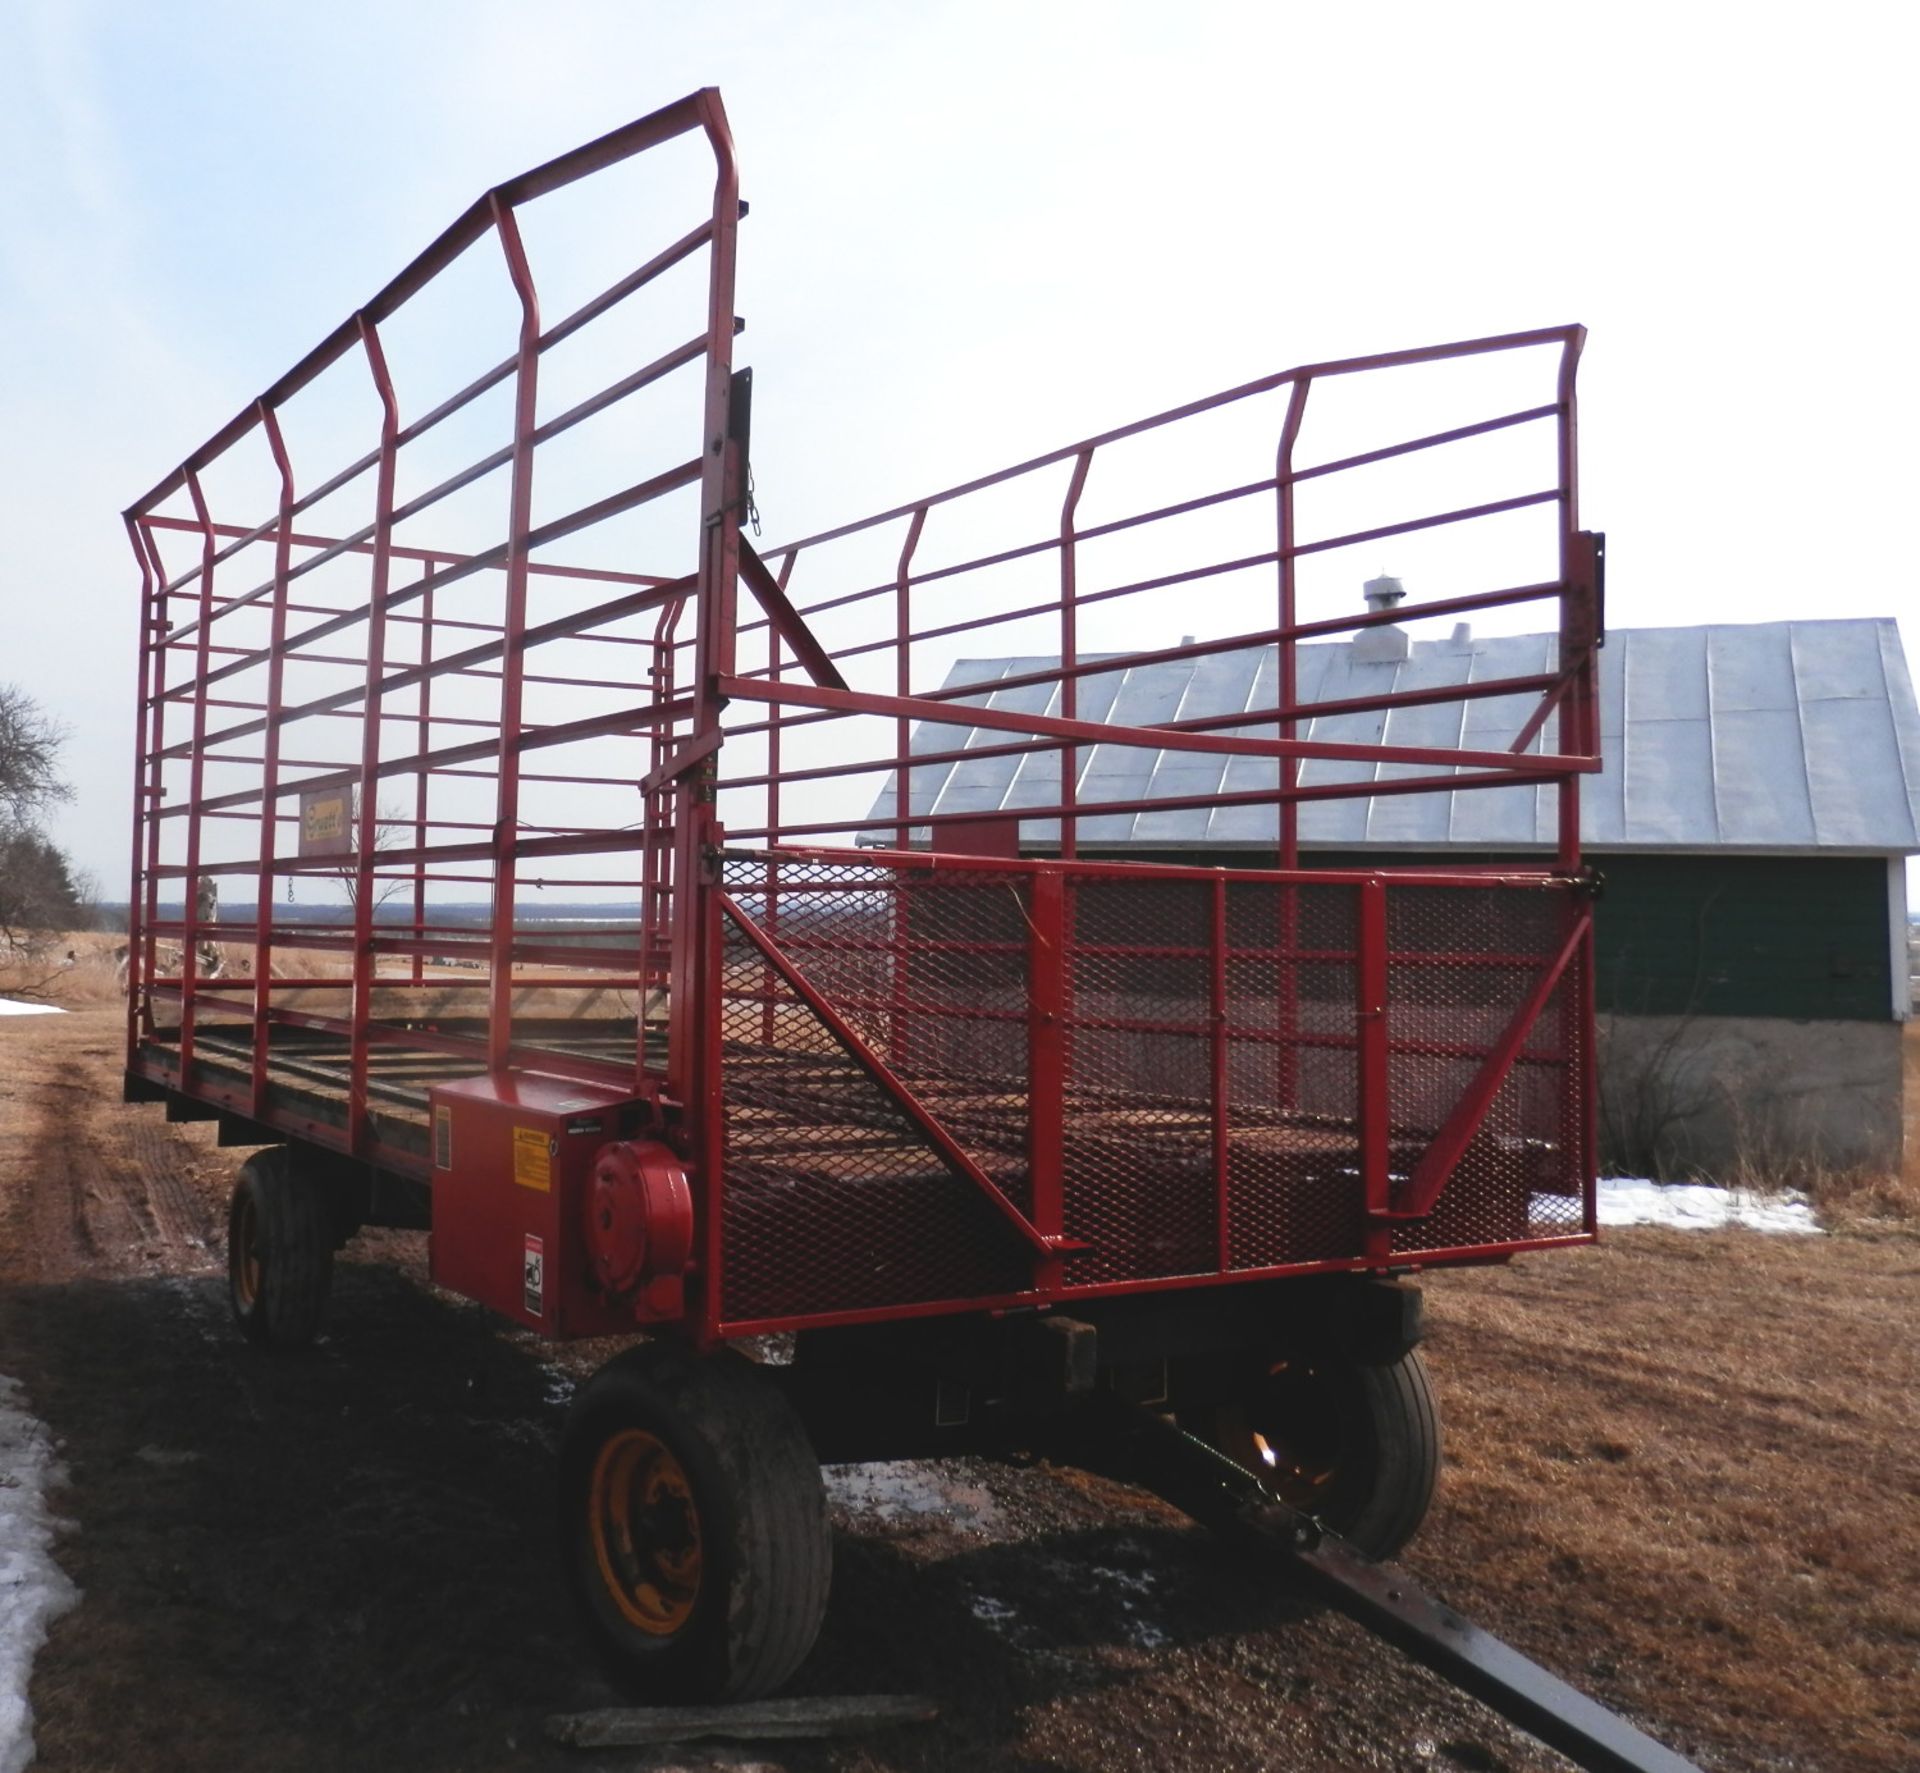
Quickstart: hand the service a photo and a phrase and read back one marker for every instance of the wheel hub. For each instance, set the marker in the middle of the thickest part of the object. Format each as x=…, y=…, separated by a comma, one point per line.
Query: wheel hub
x=645, y=1531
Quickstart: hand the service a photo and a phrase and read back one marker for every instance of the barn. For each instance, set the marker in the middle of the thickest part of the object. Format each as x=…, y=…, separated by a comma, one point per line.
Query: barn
x=1760, y=796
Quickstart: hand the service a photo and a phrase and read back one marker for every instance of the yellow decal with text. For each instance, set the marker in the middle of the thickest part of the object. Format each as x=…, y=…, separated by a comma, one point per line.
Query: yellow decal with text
x=324, y=820
x=532, y=1159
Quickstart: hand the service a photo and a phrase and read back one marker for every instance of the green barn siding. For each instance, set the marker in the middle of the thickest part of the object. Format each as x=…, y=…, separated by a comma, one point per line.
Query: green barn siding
x=1799, y=937
x=1803, y=937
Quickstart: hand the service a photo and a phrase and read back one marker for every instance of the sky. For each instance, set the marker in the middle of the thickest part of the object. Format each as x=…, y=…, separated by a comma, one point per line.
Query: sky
x=981, y=230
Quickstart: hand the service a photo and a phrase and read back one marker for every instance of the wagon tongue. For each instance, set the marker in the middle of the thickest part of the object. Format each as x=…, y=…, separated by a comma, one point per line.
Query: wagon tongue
x=1150, y=1451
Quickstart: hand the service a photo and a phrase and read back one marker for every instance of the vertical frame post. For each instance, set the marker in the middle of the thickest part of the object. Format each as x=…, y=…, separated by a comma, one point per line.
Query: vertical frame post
x=1577, y=728
x=903, y=676
x=1047, y=1062
x=658, y=856
x=143, y=801
x=270, y=762
x=196, y=776
x=367, y=822
x=1287, y=695
x=1287, y=660
x=144, y=967
x=1577, y=633
x=771, y=908
x=1070, y=654
x=1370, y=1020
x=902, y=935
x=513, y=654
x=1218, y=1053
x=698, y=983
x=423, y=729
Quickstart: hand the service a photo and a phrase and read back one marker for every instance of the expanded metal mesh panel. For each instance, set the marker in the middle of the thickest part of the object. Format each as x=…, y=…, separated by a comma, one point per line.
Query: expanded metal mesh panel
x=834, y=1198
x=1208, y=1117
x=1462, y=965
x=1137, y=1167
x=1293, y=1160
x=1522, y=1175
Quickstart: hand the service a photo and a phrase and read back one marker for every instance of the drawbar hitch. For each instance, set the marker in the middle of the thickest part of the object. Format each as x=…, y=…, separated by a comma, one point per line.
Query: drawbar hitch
x=1150, y=1451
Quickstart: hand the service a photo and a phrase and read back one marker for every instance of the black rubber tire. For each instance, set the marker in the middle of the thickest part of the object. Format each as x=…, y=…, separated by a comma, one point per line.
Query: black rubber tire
x=766, y=1545
x=1375, y=1436
x=283, y=1221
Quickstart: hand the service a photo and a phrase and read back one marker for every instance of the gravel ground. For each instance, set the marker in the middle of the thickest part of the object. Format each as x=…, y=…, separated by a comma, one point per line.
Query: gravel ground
x=1681, y=1472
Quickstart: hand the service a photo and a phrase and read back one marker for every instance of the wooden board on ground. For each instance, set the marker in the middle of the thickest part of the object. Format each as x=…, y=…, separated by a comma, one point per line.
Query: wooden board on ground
x=765, y=1720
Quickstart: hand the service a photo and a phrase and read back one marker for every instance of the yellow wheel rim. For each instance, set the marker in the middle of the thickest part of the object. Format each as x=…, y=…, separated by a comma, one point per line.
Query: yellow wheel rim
x=646, y=1532
x=246, y=1252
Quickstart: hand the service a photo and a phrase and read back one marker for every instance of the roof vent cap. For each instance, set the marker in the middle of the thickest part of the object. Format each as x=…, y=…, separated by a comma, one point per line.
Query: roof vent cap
x=1384, y=593
x=1384, y=643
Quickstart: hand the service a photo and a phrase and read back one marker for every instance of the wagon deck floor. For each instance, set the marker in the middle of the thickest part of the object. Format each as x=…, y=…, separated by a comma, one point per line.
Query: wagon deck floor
x=312, y=1073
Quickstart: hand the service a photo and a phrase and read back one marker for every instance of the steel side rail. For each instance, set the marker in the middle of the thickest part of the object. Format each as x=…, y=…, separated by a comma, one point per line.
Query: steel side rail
x=1230, y=1500
x=1183, y=507
x=1564, y=336
x=640, y=493
x=698, y=110
x=1169, y=803
x=1151, y=738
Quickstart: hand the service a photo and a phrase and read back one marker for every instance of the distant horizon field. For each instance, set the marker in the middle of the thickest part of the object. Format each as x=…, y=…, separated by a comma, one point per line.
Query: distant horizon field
x=477, y=911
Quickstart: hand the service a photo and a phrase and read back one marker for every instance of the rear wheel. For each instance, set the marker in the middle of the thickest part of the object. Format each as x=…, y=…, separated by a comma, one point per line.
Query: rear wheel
x=279, y=1251
x=1355, y=1446
x=694, y=1523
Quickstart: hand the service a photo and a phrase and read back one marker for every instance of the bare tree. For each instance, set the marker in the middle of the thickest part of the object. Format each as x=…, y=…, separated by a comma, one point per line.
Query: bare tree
x=390, y=828
x=37, y=890
x=30, y=781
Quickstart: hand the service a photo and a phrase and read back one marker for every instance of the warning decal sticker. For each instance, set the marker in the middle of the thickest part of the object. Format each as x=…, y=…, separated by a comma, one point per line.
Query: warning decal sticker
x=442, y=1136
x=533, y=1159
x=533, y=1277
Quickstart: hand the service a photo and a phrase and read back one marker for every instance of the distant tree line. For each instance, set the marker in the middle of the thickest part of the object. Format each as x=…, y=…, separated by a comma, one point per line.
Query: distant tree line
x=38, y=890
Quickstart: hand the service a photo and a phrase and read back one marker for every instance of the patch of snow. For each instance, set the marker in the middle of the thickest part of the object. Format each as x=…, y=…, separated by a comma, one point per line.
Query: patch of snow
x=1141, y=1633
x=12, y=1006
x=989, y=1611
x=1133, y=1581
x=1695, y=1206
x=908, y=1489
x=34, y=1590
x=1132, y=1586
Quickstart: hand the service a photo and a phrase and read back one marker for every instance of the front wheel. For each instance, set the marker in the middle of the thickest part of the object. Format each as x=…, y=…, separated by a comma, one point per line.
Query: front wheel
x=1355, y=1446
x=694, y=1523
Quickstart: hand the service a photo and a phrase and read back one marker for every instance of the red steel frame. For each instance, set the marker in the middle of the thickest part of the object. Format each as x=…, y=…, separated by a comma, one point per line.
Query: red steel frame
x=707, y=713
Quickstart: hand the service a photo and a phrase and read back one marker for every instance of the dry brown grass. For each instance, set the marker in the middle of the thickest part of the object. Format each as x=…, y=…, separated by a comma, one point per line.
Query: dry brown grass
x=1860, y=1199
x=46, y=977
x=1850, y=1196
x=1681, y=1467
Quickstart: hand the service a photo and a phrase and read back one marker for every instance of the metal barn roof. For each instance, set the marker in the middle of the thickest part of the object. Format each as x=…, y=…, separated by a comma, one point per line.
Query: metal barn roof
x=1771, y=736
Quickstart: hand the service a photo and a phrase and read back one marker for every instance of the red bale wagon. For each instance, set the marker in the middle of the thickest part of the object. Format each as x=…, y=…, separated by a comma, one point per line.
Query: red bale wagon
x=968, y=1126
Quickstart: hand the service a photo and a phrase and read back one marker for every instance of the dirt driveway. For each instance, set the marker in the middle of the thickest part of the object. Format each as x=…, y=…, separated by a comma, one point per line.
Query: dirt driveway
x=1682, y=1471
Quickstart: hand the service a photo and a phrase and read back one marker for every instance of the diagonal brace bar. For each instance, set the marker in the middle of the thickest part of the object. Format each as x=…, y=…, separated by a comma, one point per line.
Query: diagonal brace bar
x=1437, y=1163
x=884, y=1075
x=786, y=620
